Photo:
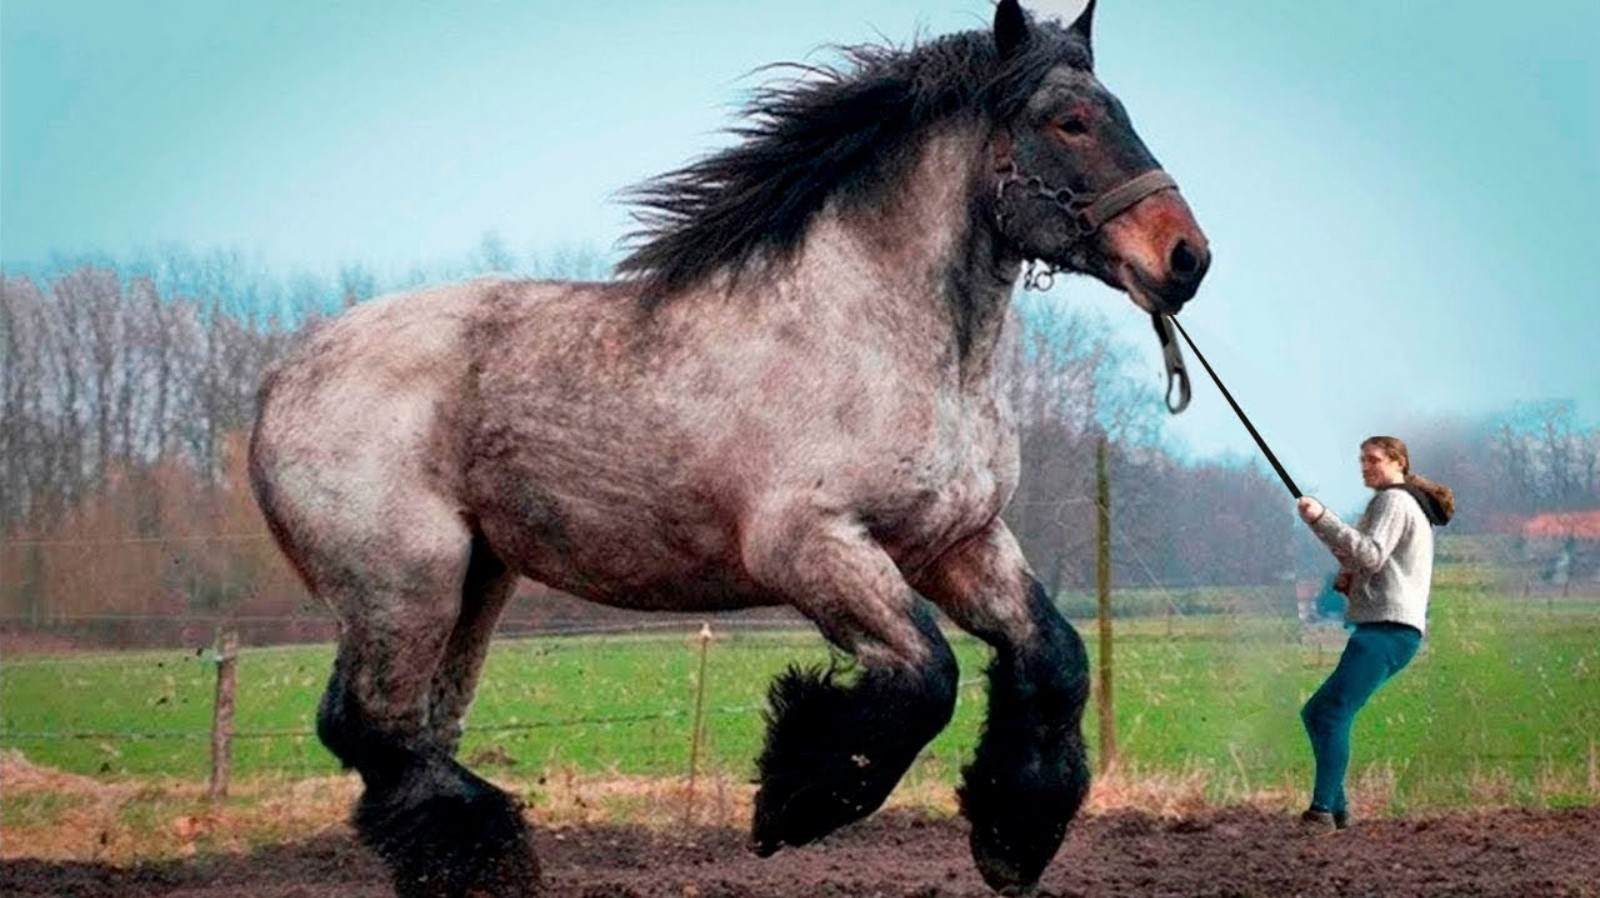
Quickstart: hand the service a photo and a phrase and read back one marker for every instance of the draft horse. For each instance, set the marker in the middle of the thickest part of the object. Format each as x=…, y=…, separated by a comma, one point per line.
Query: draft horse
x=788, y=397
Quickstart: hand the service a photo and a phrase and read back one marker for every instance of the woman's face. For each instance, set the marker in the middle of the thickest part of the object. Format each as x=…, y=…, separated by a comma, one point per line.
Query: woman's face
x=1378, y=469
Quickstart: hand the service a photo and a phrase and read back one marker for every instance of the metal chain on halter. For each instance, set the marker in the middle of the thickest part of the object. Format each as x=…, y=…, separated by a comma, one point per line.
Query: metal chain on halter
x=1065, y=198
x=1039, y=275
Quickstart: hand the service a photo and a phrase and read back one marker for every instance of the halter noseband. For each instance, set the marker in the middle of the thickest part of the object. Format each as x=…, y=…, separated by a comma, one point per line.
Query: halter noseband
x=1089, y=213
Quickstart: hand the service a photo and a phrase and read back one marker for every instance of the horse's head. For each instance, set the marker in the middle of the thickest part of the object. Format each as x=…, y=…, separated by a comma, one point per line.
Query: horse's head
x=1078, y=189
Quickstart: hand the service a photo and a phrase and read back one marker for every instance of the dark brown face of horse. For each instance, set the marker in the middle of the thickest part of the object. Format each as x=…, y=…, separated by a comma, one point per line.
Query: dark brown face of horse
x=1080, y=191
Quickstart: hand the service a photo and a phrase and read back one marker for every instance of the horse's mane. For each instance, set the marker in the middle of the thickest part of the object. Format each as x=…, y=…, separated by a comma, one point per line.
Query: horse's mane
x=845, y=133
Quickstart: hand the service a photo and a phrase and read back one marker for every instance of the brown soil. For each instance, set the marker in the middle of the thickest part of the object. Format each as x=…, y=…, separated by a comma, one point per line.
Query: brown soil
x=903, y=853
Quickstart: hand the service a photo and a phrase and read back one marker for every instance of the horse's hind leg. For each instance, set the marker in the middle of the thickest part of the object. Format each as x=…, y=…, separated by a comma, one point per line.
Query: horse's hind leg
x=1029, y=775
x=835, y=750
x=444, y=832
x=486, y=588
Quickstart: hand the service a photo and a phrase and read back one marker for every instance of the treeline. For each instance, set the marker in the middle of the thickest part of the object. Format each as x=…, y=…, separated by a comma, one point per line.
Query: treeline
x=1534, y=457
x=126, y=393
x=1174, y=523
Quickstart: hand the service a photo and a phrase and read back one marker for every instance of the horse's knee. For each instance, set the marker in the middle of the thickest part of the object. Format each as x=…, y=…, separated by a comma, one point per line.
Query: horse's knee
x=1044, y=681
x=928, y=689
x=341, y=725
x=897, y=703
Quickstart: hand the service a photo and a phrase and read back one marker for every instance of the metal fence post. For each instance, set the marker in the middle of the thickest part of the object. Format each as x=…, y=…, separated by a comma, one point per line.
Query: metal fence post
x=698, y=726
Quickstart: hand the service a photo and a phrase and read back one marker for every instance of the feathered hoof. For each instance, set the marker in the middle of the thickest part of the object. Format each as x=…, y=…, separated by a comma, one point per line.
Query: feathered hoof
x=1009, y=865
x=794, y=817
x=1017, y=828
x=467, y=842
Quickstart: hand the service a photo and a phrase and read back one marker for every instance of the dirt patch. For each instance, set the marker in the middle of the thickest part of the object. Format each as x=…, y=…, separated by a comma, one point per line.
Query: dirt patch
x=907, y=854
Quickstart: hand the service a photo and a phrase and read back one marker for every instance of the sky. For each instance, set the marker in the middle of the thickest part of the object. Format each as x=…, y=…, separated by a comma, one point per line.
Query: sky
x=1402, y=196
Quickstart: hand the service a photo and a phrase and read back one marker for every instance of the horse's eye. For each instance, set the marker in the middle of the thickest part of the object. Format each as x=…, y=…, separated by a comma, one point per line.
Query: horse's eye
x=1072, y=126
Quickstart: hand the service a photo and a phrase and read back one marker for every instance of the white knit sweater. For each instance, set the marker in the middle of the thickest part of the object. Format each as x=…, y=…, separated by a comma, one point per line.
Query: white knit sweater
x=1389, y=556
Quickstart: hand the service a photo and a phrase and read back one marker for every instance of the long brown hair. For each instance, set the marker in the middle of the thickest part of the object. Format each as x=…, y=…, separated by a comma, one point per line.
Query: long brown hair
x=1395, y=449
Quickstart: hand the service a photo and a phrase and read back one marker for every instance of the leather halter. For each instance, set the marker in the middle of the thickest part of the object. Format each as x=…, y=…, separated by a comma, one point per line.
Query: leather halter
x=1088, y=214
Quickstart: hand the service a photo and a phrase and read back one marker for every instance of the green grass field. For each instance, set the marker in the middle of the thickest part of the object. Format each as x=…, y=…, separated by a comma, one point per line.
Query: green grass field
x=1502, y=705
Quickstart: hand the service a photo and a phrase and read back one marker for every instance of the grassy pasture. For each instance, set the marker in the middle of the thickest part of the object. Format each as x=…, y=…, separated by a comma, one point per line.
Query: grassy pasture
x=1502, y=706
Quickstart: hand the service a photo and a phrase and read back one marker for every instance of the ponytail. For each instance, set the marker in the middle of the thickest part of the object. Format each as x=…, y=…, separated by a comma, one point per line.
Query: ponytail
x=1438, y=492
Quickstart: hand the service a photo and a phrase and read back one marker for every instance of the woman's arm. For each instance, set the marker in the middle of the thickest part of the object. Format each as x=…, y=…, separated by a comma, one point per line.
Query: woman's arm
x=1365, y=552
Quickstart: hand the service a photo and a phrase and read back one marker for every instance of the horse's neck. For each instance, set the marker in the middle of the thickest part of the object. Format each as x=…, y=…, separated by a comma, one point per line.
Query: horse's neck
x=944, y=286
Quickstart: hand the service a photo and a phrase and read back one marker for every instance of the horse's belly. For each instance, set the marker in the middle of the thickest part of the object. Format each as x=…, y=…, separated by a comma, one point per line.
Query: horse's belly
x=708, y=589
x=627, y=557
x=675, y=586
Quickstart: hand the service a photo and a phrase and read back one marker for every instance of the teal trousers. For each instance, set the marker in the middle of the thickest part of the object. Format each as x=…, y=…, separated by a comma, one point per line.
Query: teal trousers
x=1374, y=653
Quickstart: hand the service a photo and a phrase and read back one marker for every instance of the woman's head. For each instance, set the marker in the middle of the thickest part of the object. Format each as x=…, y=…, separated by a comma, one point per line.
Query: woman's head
x=1384, y=460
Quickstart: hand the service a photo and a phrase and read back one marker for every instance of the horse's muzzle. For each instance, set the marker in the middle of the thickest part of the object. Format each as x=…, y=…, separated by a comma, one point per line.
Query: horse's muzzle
x=1164, y=255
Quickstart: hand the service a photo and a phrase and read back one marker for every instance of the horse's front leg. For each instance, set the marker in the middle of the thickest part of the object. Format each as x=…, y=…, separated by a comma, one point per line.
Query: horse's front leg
x=836, y=744
x=1029, y=775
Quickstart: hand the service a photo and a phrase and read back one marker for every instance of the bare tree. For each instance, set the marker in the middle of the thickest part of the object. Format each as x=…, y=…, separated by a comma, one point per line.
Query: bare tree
x=492, y=255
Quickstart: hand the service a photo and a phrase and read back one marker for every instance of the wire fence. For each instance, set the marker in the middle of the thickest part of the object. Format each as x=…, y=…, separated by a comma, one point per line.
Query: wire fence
x=639, y=700
x=155, y=707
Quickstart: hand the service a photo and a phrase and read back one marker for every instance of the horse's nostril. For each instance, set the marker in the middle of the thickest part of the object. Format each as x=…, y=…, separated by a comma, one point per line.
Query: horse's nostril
x=1186, y=264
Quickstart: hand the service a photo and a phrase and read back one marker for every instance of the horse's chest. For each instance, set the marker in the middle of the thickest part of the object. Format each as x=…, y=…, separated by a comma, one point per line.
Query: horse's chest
x=954, y=487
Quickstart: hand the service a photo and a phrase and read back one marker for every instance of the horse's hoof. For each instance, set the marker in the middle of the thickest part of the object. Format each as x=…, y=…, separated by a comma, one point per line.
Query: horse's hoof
x=806, y=815
x=1007, y=880
x=468, y=842
x=771, y=832
x=1011, y=858
x=763, y=847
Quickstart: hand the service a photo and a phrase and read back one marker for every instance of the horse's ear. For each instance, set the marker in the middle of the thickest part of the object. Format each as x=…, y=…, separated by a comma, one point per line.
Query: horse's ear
x=1084, y=23
x=1010, y=28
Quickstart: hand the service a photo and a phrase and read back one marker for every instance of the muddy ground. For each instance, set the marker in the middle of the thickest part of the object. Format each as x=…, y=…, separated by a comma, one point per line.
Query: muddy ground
x=906, y=854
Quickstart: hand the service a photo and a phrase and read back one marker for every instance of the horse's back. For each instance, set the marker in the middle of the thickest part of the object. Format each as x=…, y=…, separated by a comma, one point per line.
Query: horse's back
x=412, y=425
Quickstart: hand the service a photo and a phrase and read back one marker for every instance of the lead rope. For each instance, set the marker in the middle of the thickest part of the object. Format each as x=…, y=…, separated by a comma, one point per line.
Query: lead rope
x=1167, y=321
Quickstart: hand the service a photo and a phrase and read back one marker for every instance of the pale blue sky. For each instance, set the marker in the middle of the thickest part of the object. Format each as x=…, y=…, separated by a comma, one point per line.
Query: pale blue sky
x=1403, y=197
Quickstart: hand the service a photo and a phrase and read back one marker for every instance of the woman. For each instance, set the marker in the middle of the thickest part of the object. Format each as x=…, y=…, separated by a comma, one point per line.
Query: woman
x=1386, y=570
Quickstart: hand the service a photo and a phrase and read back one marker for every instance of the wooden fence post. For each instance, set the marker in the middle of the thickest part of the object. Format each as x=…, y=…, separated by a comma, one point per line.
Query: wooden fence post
x=1102, y=571
x=227, y=656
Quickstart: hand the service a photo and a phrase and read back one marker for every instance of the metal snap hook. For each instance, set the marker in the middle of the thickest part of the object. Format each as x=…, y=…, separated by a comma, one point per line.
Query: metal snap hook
x=1039, y=278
